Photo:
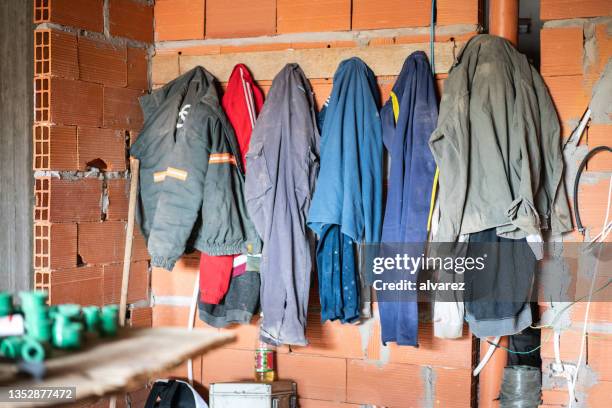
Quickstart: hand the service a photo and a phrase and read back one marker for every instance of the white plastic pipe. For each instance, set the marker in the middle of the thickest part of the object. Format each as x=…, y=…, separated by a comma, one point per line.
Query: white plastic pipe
x=487, y=356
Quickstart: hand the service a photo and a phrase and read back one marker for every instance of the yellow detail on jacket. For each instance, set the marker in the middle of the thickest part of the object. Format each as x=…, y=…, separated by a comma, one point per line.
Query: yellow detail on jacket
x=176, y=173
x=221, y=158
x=159, y=176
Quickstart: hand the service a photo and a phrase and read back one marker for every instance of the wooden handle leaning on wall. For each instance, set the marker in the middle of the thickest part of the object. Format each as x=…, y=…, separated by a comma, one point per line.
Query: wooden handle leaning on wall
x=129, y=237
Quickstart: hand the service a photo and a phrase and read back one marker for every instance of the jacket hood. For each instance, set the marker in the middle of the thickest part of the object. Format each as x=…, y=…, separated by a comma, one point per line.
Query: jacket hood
x=203, y=79
x=351, y=137
x=486, y=46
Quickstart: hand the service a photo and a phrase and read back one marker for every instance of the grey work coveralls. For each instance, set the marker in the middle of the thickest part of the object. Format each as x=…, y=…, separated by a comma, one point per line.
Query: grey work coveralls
x=282, y=165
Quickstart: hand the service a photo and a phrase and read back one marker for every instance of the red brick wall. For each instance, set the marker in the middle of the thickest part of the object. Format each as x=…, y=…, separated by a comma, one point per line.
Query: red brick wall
x=576, y=45
x=91, y=64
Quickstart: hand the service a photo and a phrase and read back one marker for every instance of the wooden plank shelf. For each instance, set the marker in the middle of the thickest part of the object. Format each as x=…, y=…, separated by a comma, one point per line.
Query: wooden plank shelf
x=111, y=367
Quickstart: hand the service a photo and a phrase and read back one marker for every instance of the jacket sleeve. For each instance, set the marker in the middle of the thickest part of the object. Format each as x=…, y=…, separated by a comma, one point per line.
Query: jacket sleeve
x=180, y=201
x=450, y=146
x=552, y=166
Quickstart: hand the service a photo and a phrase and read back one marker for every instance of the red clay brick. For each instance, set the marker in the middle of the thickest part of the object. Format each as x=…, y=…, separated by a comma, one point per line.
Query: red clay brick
x=201, y=50
x=75, y=102
x=54, y=246
x=179, y=282
x=432, y=351
x=424, y=38
x=170, y=316
x=308, y=45
x=84, y=14
x=369, y=14
x=569, y=344
x=42, y=96
x=55, y=148
x=118, y=192
x=42, y=199
x=247, y=336
x=599, y=395
x=318, y=15
x=55, y=53
x=141, y=317
x=560, y=9
x=458, y=12
x=593, y=198
x=101, y=242
x=240, y=18
x=561, y=51
x=322, y=378
x=453, y=387
x=102, y=62
x=41, y=248
x=121, y=108
x=138, y=288
x=139, y=246
x=137, y=68
x=177, y=316
x=228, y=49
x=227, y=365
x=179, y=20
x=83, y=292
x=131, y=19
x=331, y=339
x=81, y=285
x=382, y=41
x=75, y=200
x=600, y=135
x=600, y=355
x=554, y=398
x=180, y=373
x=569, y=95
x=76, y=274
x=101, y=148
x=63, y=246
x=392, y=385
x=104, y=242
x=312, y=403
x=403, y=385
x=63, y=144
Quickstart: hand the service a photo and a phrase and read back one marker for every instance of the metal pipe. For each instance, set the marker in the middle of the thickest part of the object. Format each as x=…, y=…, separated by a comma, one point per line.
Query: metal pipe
x=503, y=19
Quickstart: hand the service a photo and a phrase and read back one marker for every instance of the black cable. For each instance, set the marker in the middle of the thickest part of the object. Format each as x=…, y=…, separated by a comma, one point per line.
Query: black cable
x=577, y=181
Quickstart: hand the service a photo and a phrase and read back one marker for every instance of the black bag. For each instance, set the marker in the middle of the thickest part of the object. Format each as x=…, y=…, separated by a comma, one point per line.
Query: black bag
x=174, y=394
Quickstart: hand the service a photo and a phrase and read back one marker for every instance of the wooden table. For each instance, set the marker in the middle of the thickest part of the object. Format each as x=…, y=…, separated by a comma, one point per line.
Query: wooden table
x=114, y=366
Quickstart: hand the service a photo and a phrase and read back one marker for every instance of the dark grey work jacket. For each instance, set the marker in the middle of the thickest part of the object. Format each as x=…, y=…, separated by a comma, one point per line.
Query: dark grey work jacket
x=498, y=147
x=191, y=176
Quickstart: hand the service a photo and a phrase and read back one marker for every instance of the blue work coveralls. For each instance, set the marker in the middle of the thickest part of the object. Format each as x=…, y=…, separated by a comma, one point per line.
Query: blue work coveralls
x=347, y=203
x=409, y=117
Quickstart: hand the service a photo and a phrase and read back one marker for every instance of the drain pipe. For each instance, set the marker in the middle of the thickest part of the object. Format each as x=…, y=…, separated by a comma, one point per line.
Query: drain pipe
x=503, y=19
x=491, y=375
x=503, y=22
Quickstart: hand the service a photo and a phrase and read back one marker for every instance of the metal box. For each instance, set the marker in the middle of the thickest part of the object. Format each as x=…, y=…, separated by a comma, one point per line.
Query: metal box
x=278, y=394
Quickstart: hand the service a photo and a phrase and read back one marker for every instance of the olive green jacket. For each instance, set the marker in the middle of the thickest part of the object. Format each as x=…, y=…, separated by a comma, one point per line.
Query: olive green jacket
x=498, y=147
